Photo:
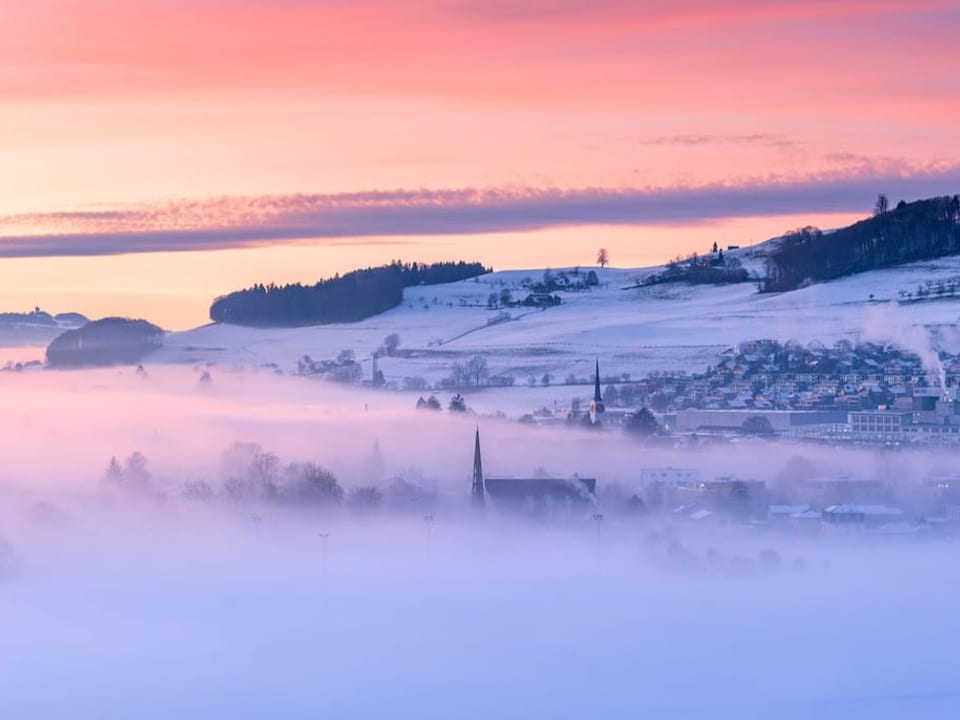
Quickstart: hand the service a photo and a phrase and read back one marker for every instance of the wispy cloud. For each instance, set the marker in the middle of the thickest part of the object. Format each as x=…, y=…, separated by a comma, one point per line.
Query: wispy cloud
x=243, y=222
x=693, y=140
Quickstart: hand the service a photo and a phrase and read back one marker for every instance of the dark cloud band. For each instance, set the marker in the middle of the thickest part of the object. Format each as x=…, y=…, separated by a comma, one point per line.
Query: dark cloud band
x=245, y=222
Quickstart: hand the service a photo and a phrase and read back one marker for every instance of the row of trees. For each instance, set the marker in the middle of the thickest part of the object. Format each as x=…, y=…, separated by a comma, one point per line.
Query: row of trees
x=348, y=298
x=248, y=473
x=457, y=403
x=251, y=474
x=920, y=230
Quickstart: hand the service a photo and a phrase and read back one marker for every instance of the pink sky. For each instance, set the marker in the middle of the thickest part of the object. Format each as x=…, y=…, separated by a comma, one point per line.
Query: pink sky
x=249, y=141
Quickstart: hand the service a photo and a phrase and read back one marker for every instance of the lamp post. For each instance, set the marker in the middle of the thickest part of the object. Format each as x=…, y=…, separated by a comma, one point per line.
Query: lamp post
x=323, y=564
x=428, y=519
x=598, y=518
x=323, y=554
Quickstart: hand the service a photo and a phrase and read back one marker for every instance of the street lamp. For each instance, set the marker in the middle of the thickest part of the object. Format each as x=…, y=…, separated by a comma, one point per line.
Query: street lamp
x=598, y=517
x=323, y=553
x=428, y=519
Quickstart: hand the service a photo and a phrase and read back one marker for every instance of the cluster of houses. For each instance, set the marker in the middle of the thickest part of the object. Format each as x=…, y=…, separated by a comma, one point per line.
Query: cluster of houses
x=814, y=505
x=866, y=393
x=767, y=375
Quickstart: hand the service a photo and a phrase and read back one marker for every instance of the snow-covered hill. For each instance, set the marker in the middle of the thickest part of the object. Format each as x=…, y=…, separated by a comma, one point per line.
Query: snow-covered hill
x=631, y=330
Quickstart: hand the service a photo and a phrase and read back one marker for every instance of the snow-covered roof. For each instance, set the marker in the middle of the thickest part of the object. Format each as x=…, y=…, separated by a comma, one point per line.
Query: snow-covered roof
x=899, y=528
x=868, y=510
x=787, y=509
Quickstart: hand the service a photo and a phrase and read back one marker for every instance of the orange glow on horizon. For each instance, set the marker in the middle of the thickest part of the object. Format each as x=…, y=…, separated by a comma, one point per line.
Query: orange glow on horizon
x=110, y=104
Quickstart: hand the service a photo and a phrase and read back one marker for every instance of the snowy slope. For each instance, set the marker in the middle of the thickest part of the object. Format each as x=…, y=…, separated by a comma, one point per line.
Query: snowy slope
x=630, y=330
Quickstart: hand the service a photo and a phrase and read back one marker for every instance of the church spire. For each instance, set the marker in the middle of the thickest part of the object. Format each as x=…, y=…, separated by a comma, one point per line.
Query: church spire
x=597, y=397
x=477, y=489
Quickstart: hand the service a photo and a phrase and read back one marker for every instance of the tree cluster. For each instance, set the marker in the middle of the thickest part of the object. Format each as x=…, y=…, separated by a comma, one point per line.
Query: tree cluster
x=473, y=373
x=251, y=473
x=642, y=424
x=563, y=281
x=431, y=403
x=920, y=230
x=348, y=298
x=110, y=341
x=132, y=475
x=701, y=270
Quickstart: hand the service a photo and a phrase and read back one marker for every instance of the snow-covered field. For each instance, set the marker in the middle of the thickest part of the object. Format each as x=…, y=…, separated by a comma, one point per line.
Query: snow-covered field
x=631, y=330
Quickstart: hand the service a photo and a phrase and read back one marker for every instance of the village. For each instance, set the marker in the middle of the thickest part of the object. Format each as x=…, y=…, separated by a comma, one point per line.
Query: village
x=864, y=394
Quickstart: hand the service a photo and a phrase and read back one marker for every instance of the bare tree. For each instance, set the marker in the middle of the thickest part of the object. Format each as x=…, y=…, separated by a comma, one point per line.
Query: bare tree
x=477, y=369
x=459, y=374
x=603, y=257
x=881, y=206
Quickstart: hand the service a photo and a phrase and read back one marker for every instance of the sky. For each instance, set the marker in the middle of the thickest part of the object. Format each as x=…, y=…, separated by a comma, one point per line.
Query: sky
x=157, y=153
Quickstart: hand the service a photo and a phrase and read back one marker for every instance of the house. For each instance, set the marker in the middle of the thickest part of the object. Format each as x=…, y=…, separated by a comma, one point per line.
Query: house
x=540, y=300
x=783, y=514
x=859, y=516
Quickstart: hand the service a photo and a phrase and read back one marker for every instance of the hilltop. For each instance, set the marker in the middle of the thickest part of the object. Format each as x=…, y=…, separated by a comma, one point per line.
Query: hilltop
x=108, y=341
x=36, y=327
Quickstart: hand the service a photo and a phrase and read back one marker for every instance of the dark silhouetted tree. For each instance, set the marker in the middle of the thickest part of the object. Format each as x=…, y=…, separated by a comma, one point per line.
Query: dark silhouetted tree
x=881, y=206
x=757, y=425
x=642, y=424
x=390, y=343
x=310, y=483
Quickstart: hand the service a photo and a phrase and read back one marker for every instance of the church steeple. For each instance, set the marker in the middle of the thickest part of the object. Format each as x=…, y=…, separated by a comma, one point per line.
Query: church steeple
x=597, y=397
x=477, y=488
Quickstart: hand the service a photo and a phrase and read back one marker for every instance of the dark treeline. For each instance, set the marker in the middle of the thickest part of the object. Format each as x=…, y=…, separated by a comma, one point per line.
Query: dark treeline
x=919, y=230
x=348, y=298
x=110, y=341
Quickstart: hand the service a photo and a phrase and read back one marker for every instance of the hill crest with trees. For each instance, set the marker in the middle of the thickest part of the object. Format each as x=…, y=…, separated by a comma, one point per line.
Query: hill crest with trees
x=921, y=230
x=351, y=297
x=109, y=341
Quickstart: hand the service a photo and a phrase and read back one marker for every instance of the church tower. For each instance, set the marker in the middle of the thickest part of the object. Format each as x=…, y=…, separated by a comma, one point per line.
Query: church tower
x=597, y=397
x=477, y=488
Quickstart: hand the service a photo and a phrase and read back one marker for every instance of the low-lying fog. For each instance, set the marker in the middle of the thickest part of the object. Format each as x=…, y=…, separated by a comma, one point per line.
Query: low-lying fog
x=134, y=595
